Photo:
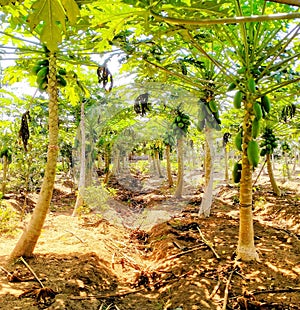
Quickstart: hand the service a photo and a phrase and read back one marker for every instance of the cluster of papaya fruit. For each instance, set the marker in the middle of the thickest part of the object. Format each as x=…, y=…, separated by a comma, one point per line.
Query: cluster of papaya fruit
x=208, y=115
x=181, y=123
x=169, y=139
x=285, y=147
x=252, y=148
x=41, y=70
x=268, y=144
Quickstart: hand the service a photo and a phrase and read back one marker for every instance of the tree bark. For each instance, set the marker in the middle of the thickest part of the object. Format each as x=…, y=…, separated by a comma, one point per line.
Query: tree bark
x=206, y=202
x=81, y=184
x=5, y=172
x=156, y=154
x=26, y=244
x=226, y=163
x=169, y=172
x=179, y=184
x=246, y=249
x=287, y=166
x=275, y=187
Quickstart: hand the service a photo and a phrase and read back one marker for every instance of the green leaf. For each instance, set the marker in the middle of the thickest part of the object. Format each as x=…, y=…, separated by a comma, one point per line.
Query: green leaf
x=72, y=10
x=52, y=14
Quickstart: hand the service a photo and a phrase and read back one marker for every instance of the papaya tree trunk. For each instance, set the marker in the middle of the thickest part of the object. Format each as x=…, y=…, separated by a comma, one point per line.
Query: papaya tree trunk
x=157, y=160
x=287, y=165
x=246, y=249
x=5, y=173
x=179, y=183
x=275, y=187
x=226, y=177
x=81, y=184
x=206, y=202
x=168, y=160
x=107, y=158
x=27, y=242
x=116, y=164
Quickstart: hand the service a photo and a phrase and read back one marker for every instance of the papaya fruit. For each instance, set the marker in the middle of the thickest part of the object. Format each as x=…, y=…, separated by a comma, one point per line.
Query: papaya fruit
x=255, y=128
x=253, y=153
x=251, y=85
x=257, y=110
x=263, y=152
x=237, y=101
x=62, y=71
x=61, y=81
x=44, y=62
x=42, y=73
x=237, y=172
x=213, y=106
x=36, y=68
x=266, y=104
x=238, y=141
x=231, y=87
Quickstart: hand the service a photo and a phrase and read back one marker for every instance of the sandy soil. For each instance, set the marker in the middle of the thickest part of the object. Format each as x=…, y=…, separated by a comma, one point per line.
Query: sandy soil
x=178, y=263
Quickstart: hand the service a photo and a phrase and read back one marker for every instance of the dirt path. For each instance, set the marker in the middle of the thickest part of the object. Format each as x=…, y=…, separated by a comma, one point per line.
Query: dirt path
x=165, y=265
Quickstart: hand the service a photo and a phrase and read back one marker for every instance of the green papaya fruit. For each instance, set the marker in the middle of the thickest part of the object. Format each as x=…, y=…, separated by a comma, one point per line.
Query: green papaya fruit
x=255, y=128
x=61, y=81
x=213, y=106
x=237, y=101
x=62, y=71
x=180, y=125
x=257, y=110
x=36, y=68
x=251, y=85
x=44, y=62
x=253, y=153
x=266, y=104
x=231, y=87
x=237, y=172
x=238, y=141
x=263, y=152
x=42, y=73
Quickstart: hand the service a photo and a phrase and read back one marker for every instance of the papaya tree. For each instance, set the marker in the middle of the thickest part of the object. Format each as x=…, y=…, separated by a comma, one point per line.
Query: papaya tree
x=255, y=43
x=46, y=21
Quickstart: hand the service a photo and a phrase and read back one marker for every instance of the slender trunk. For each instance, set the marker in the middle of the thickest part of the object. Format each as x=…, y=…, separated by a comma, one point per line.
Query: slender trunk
x=5, y=173
x=27, y=242
x=276, y=189
x=226, y=163
x=116, y=165
x=156, y=154
x=107, y=157
x=179, y=184
x=246, y=249
x=206, y=202
x=287, y=165
x=169, y=172
x=81, y=184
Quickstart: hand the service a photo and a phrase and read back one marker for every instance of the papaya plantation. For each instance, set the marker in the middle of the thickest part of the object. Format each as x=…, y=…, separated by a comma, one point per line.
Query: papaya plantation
x=149, y=154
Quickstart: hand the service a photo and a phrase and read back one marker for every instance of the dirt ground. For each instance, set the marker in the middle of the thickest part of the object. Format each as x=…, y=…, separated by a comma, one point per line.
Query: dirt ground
x=183, y=263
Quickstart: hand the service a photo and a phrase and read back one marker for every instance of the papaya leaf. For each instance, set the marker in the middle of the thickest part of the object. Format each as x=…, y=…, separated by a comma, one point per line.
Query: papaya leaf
x=52, y=16
x=72, y=10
